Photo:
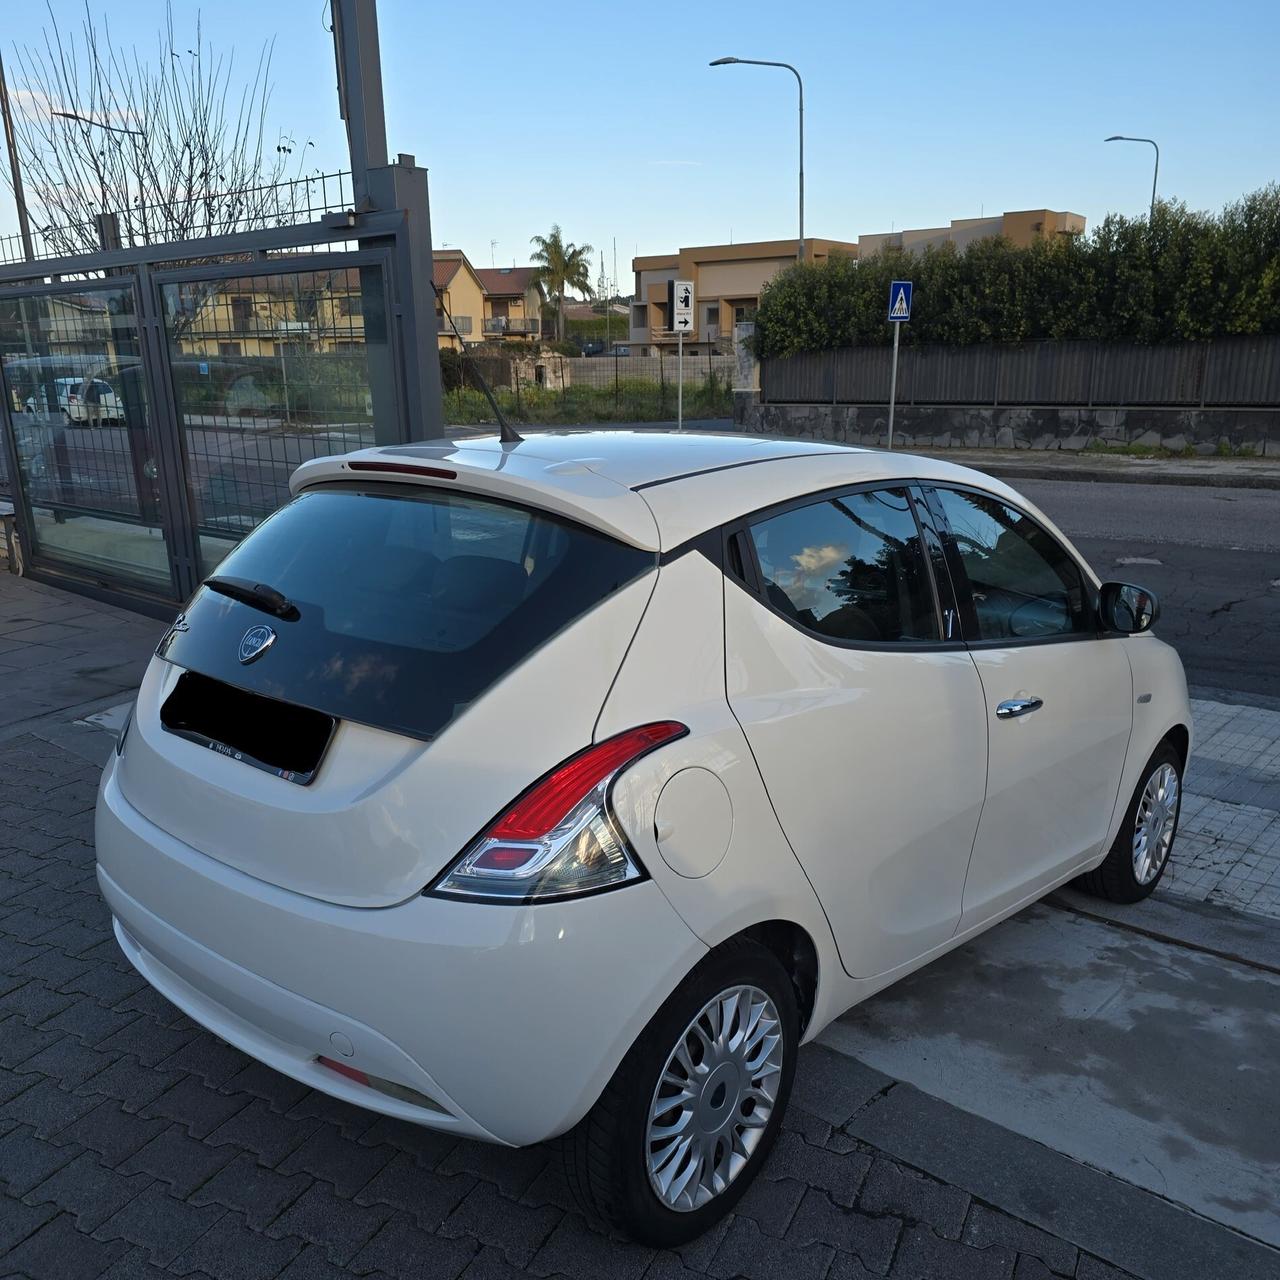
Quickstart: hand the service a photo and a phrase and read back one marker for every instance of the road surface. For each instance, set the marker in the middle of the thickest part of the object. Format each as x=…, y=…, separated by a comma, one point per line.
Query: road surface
x=1212, y=556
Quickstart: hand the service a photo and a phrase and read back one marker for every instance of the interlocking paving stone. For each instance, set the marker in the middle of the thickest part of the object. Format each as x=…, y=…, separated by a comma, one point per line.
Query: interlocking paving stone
x=747, y=1252
x=59, y=1252
x=26, y=1160
x=891, y=1188
x=338, y=1225
x=870, y=1238
x=925, y=1256
x=986, y=1227
x=840, y=1176
x=231, y=1251
x=401, y=1249
x=259, y=1194
x=518, y=1230
x=162, y=1225
x=87, y=1190
x=178, y=1160
x=343, y=1162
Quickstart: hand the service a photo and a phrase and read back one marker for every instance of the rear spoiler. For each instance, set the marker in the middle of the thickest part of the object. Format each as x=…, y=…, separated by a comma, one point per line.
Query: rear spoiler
x=569, y=489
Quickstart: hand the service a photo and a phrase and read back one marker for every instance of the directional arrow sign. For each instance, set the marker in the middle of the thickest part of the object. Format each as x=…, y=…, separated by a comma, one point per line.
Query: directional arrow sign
x=680, y=305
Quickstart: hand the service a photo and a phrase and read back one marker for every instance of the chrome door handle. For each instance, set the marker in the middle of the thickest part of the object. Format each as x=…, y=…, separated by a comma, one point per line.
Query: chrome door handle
x=1010, y=708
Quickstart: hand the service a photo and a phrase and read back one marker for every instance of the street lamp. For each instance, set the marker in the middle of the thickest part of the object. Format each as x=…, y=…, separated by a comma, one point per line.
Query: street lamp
x=1155, y=177
x=759, y=62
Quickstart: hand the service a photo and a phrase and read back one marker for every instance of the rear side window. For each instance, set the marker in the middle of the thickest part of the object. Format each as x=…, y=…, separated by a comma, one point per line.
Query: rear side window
x=850, y=568
x=410, y=604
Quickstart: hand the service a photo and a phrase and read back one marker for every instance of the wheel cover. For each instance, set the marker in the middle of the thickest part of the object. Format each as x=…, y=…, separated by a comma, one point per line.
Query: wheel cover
x=1155, y=823
x=714, y=1098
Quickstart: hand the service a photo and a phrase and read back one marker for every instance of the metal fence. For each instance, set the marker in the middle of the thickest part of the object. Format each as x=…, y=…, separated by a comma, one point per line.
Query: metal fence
x=1228, y=372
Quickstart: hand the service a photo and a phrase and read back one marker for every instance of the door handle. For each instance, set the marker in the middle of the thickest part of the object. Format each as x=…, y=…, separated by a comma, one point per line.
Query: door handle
x=1011, y=708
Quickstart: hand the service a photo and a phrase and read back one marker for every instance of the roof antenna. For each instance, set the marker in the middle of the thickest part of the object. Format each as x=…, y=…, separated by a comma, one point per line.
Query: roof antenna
x=507, y=434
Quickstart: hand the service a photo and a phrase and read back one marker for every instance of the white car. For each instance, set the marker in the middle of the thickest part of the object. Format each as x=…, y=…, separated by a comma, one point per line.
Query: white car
x=566, y=787
x=90, y=400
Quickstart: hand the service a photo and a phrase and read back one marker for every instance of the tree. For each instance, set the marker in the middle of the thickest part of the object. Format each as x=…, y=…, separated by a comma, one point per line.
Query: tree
x=560, y=267
x=177, y=149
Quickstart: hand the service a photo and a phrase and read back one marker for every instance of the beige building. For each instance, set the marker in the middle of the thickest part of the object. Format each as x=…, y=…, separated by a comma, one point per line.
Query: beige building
x=512, y=302
x=727, y=280
x=1020, y=227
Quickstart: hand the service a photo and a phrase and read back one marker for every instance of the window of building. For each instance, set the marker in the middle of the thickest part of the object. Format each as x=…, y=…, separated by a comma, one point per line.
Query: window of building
x=229, y=349
x=351, y=304
x=850, y=568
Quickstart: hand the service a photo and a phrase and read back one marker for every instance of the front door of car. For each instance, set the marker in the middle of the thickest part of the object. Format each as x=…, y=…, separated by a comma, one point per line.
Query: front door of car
x=864, y=712
x=1059, y=699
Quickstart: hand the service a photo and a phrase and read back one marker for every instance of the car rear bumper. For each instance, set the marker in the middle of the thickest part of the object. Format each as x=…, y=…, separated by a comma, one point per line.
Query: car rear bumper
x=505, y=1022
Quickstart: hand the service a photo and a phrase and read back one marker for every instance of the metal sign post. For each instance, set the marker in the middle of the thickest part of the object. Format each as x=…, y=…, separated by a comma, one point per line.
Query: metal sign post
x=899, y=314
x=680, y=312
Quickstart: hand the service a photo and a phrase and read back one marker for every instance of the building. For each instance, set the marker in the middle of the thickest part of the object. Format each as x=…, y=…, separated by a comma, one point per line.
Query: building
x=460, y=294
x=1020, y=227
x=513, y=301
x=727, y=280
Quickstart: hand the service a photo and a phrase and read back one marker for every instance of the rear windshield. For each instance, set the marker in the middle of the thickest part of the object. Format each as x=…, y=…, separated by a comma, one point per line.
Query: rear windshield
x=409, y=605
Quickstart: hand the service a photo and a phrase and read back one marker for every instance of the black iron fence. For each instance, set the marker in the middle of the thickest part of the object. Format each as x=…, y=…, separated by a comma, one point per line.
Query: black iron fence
x=1229, y=372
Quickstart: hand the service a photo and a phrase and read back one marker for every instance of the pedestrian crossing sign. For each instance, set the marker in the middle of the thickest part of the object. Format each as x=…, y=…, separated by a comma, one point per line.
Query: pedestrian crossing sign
x=899, y=301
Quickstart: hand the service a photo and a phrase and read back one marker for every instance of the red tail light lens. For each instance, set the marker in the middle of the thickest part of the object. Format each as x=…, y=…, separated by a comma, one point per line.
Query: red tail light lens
x=558, y=838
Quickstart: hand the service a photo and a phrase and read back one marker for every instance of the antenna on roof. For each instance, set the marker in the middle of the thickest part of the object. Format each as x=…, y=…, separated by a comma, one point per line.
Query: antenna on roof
x=506, y=432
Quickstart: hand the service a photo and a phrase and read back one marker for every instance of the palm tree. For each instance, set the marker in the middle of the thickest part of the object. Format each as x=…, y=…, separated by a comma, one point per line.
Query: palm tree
x=560, y=267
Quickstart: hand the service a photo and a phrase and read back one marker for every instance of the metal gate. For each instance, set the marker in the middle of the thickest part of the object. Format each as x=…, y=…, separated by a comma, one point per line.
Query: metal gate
x=154, y=401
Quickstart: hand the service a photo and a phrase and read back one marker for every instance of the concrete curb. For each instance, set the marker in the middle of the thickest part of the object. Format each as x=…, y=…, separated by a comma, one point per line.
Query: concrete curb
x=1093, y=475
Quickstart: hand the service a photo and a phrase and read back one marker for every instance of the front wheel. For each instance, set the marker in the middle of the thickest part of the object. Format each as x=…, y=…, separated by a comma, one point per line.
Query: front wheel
x=1140, y=854
x=691, y=1114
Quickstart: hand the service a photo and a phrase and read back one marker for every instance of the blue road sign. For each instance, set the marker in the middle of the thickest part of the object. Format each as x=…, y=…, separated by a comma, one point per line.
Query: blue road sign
x=899, y=301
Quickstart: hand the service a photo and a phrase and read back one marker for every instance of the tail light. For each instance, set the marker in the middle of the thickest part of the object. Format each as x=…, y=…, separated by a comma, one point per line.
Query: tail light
x=559, y=838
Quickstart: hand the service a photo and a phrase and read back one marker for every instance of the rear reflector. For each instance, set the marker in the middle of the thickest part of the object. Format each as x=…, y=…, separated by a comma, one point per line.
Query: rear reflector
x=404, y=469
x=401, y=1092
x=543, y=807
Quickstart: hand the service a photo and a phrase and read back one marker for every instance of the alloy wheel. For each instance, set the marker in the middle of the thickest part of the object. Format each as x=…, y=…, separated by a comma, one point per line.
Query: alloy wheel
x=1154, y=824
x=714, y=1098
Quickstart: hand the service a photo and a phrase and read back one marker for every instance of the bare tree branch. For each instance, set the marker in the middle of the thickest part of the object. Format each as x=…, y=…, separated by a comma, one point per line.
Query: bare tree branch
x=187, y=153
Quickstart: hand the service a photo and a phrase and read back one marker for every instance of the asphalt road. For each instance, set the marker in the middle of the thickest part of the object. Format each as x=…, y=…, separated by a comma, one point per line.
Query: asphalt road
x=1212, y=556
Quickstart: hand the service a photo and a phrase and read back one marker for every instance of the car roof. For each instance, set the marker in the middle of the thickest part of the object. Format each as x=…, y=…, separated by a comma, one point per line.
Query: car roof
x=655, y=489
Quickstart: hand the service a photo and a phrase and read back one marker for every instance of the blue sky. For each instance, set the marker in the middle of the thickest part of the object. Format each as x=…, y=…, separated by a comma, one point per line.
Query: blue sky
x=607, y=119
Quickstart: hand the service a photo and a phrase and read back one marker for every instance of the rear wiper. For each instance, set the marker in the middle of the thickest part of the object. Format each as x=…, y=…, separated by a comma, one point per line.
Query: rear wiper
x=256, y=594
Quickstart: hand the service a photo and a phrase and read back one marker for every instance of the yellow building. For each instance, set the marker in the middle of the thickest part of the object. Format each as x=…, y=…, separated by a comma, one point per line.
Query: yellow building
x=460, y=294
x=727, y=280
x=1020, y=227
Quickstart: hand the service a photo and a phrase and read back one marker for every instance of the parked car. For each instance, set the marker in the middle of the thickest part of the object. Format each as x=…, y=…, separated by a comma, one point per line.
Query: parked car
x=81, y=400
x=566, y=787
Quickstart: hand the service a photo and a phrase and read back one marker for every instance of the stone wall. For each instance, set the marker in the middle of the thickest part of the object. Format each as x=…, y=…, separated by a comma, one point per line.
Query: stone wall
x=1204, y=431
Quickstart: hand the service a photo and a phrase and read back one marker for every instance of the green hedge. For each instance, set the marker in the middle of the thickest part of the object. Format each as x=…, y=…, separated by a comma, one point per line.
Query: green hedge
x=1180, y=276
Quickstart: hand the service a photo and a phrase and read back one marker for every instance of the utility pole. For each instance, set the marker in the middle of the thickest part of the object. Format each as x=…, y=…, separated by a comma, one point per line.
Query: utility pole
x=15, y=169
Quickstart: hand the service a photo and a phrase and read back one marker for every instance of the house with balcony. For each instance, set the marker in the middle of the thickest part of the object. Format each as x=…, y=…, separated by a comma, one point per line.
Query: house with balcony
x=513, y=301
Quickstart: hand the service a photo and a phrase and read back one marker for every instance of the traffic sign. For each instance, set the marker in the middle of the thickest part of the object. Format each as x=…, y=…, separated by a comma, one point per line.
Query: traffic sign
x=680, y=305
x=899, y=301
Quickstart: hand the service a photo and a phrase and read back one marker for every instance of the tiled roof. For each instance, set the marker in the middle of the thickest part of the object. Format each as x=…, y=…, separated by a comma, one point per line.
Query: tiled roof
x=443, y=270
x=502, y=282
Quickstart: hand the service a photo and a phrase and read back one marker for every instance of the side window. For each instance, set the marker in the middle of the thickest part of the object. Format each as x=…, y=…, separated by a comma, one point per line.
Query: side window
x=1025, y=586
x=851, y=568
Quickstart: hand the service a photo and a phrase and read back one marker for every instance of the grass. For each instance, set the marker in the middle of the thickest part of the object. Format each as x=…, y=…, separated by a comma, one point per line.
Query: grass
x=633, y=400
x=1224, y=449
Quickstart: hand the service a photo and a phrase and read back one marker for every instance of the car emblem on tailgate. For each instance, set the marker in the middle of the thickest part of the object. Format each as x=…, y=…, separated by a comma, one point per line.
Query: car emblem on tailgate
x=254, y=643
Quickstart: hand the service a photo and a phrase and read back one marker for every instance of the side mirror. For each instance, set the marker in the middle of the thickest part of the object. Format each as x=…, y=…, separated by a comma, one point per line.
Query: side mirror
x=1127, y=609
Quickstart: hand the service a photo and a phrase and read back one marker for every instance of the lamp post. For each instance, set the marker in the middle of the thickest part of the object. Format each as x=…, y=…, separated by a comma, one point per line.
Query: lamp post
x=1155, y=177
x=760, y=62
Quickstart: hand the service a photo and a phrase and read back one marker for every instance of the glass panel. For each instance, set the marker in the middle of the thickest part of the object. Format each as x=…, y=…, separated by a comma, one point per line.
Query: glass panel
x=1025, y=585
x=851, y=568
x=84, y=437
x=269, y=371
x=406, y=606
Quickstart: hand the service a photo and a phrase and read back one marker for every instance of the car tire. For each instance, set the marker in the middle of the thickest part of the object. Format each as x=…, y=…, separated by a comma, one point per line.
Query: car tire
x=609, y=1156
x=1137, y=859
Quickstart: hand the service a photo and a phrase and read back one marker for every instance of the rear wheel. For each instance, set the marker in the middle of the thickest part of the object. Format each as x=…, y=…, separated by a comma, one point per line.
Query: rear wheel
x=691, y=1114
x=1140, y=854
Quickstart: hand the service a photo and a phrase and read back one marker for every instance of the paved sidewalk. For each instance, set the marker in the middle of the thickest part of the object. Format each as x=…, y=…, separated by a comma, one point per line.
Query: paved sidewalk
x=133, y=1143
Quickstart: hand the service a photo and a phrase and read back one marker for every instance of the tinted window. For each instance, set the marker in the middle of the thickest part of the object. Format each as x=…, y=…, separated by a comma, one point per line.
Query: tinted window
x=1025, y=585
x=850, y=568
x=411, y=604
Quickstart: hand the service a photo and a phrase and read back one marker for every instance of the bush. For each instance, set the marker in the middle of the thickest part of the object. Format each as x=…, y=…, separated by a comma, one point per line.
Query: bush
x=1178, y=276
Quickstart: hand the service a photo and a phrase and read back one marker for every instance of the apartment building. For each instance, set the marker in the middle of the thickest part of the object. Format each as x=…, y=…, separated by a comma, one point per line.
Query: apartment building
x=1020, y=227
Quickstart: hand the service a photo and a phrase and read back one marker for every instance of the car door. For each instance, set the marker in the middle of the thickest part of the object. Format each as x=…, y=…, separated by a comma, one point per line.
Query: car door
x=864, y=712
x=1059, y=698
